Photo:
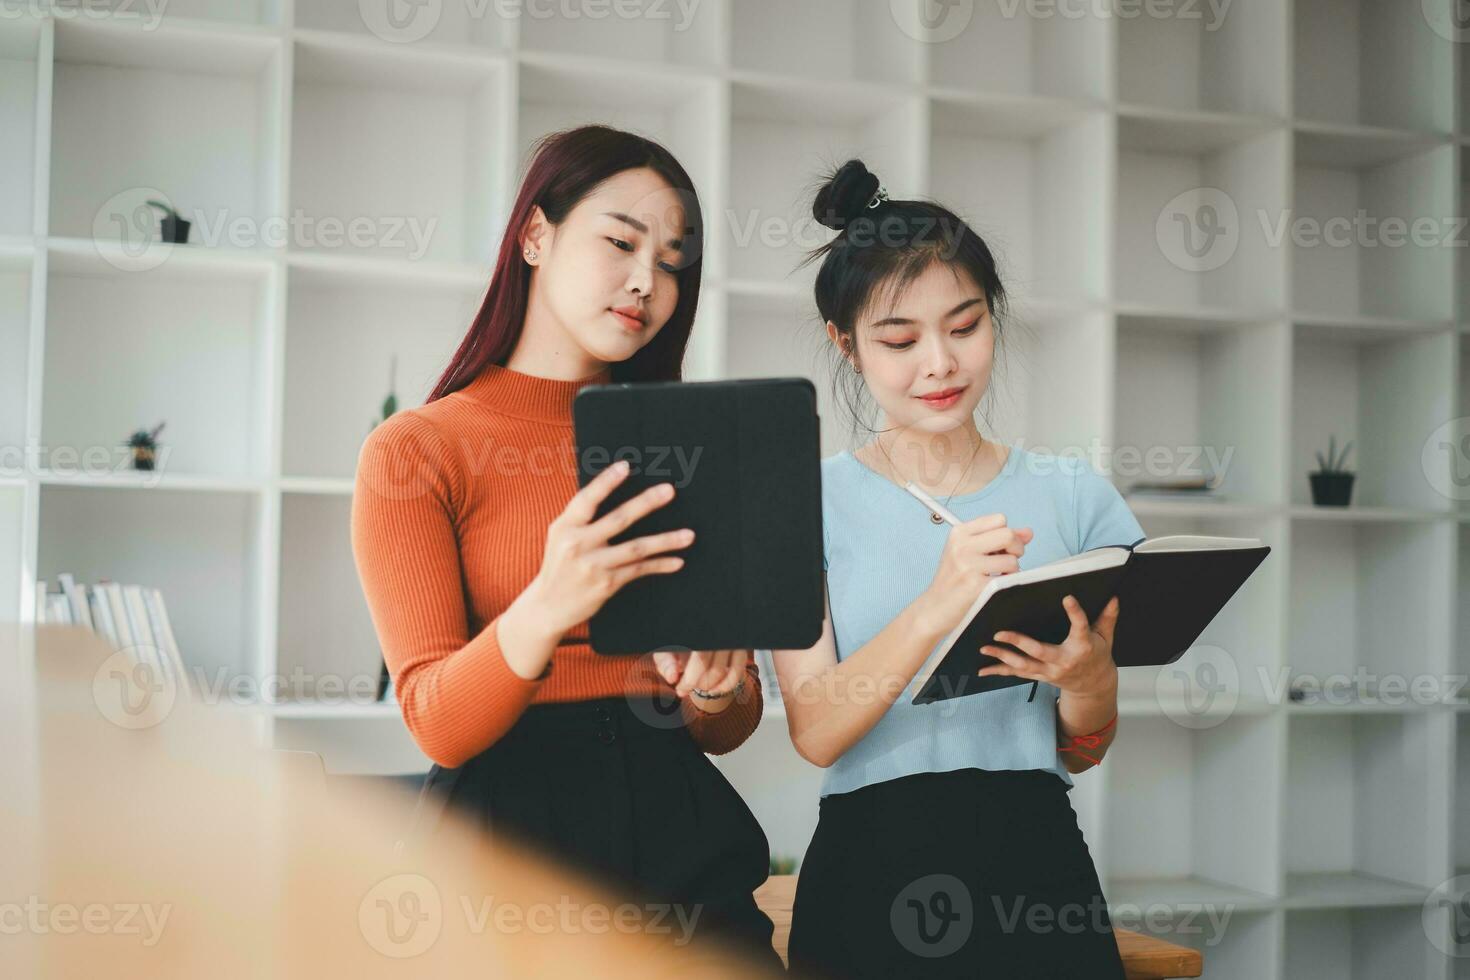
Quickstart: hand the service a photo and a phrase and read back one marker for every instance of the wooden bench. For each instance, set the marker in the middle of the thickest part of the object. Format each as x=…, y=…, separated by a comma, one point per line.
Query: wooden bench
x=1144, y=957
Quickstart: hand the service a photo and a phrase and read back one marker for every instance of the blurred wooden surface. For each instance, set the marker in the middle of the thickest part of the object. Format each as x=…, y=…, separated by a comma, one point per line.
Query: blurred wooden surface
x=160, y=839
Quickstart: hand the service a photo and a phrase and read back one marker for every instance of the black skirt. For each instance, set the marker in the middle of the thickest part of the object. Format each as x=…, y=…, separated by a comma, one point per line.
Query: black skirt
x=971, y=873
x=618, y=790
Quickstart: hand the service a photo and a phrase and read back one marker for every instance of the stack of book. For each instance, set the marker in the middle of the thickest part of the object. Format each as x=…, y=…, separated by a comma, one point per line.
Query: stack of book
x=128, y=616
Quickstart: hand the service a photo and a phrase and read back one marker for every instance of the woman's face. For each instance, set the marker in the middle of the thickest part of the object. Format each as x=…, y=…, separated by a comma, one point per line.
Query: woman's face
x=935, y=337
x=606, y=274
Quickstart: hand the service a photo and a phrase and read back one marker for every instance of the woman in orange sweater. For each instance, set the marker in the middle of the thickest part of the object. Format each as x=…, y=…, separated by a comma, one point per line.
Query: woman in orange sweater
x=482, y=561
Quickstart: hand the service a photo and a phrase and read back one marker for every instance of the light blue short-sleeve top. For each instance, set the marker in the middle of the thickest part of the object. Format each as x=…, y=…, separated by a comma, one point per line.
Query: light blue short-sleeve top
x=880, y=551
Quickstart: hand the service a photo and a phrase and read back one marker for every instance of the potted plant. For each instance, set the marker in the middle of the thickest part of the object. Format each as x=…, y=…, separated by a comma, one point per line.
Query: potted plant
x=175, y=228
x=1332, y=486
x=143, y=443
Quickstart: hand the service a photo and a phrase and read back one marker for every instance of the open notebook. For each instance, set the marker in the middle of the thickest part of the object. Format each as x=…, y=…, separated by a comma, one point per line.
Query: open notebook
x=1168, y=588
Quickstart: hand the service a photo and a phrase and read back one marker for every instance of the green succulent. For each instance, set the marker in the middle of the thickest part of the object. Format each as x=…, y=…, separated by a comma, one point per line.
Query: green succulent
x=1334, y=462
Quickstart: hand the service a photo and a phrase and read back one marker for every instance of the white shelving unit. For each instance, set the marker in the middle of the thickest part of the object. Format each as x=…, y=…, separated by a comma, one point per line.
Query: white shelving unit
x=1067, y=140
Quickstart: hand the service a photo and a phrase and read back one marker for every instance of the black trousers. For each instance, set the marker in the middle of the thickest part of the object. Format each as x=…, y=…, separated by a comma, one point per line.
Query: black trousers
x=617, y=789
x=971, y=873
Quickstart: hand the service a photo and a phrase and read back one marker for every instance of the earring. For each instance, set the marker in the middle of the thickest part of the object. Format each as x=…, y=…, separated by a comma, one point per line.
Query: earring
x=530, y=253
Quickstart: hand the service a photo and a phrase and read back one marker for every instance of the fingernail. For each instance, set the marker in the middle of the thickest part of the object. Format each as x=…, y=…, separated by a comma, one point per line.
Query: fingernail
x=621, y=466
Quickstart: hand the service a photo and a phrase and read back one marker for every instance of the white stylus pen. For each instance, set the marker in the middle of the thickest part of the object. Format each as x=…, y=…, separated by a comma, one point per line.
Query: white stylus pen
x=931, y=503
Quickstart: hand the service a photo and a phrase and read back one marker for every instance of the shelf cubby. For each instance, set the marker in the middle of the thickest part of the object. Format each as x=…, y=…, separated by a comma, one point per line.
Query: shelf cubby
x=1246, y=634
x=1357, y=944
x=13, y=564
x=1023, y=403
x=16, y=277
x=342, y=333
x=1206, y=61
x=464, y=24
x=326, y=649
x=1367, y=63
x=201, y=549
x=679, y=114
x=1207, y=841
x=770, y=336
x=833, y=40
x=647, y=32
x=1001, y=51
x=1454, y=446
x=1041, y=204
x=407, y=202
x=128, y=106
x=1384, y=388
x=233, y=12
x=1462, y=239
x=784, y=138
x=1340, y=571
x=1354, y=249
x=1464, y=50
x=1461, y=844
x=1189, y=192
x=1196, y=391
x=19, y=50
x=115, y=341
x=1359, y=830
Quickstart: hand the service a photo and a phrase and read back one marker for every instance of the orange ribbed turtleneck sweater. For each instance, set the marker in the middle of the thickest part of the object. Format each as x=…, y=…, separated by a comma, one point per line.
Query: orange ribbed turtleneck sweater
x=449, y=517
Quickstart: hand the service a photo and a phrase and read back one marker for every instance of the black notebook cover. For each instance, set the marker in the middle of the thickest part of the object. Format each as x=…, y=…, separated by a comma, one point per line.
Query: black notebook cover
x=1165, y=599
x=744, y=458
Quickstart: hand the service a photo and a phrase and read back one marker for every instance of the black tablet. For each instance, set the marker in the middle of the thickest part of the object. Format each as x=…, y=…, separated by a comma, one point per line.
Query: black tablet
x=744, y=458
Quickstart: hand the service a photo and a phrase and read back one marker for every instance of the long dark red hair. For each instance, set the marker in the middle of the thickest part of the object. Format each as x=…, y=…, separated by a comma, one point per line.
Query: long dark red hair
x=565, y=167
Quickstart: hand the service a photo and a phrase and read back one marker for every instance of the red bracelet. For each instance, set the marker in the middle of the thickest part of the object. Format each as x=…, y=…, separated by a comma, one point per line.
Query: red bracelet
x=1090, y=741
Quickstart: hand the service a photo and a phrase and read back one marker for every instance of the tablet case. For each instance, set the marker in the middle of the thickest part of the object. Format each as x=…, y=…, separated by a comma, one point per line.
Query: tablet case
x=744, y=458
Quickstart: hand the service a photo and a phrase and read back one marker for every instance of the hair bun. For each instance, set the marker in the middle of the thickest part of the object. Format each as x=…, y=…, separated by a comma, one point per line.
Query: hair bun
x=845, y=195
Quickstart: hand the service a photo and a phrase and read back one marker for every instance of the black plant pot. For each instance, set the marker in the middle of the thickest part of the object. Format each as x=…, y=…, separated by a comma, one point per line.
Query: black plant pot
x=175, y=230
x=142, y=458
x=1331, y=489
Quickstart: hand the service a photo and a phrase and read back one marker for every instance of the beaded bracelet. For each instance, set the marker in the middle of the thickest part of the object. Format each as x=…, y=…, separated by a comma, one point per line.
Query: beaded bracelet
x=1091, y=740
x=740, y=686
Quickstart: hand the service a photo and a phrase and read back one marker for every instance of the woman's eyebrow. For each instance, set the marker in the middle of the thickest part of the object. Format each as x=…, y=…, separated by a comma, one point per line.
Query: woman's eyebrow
x=677, y=244
x=901, y=321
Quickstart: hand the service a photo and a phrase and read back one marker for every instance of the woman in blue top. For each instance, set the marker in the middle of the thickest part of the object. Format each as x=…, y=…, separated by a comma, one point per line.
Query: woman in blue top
x=946, y=842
